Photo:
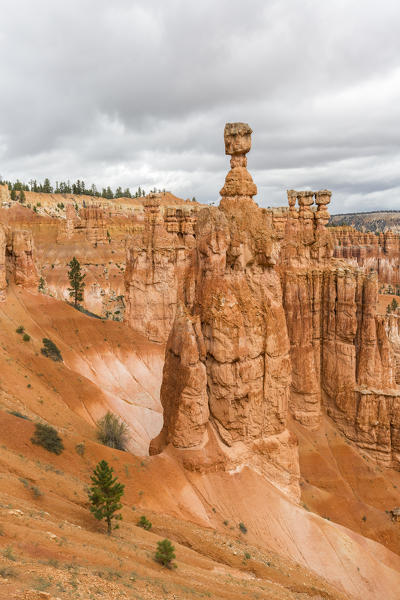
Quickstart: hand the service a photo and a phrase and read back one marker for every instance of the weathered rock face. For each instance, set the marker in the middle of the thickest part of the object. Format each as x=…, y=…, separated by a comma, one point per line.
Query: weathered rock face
x=156, y=259
x=20, y=261
x=269, y=322
x=227, y=372
x=340, y=353
x=3, y=278
x=5, y=198
x=380, y=253
x=88, y=224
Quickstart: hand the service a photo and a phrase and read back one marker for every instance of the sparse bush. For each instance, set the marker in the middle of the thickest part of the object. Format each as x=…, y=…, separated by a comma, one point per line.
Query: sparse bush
x=8, y=553
x=242, y=527
x=247, y=556
x=165, y=553
x=47, y=436
x=20, y=329
x=51, y=351
x=112, y=432
x=144, y=523
x=26, y=337
x=80, y=448
x=36, y=491
x=6, y=572
x=16, y=413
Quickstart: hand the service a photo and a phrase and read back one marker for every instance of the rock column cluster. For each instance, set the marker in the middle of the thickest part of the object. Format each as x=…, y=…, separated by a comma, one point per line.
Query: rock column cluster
x=226, y=378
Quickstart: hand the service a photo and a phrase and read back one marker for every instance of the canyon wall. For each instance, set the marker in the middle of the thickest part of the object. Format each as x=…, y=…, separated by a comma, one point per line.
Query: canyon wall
x=20, y=259
x=95, y=232
x=3, y=277
x=380, y=253
x=157, y=253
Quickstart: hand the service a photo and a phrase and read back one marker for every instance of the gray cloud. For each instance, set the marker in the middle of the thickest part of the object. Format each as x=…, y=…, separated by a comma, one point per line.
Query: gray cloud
x=137, y=93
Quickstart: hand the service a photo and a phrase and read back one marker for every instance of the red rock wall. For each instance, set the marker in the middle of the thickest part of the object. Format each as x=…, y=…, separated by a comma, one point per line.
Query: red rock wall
x=3, y=278
x=20, y=259
x=380, y=253
x=157, y=254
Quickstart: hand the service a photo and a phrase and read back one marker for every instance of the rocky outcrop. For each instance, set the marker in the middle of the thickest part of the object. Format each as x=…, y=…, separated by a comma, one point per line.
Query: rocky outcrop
x=3, y=278
x=157, y=255
x=5, y=198
x=88, y=224
x=20, y=260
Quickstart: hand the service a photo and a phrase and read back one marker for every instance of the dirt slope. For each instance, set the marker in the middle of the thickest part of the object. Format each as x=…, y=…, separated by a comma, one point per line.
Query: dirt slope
x=46, y=527
x=106, y=366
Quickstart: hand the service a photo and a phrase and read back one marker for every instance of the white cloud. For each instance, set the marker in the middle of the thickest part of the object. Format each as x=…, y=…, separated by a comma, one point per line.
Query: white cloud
x=138, y=92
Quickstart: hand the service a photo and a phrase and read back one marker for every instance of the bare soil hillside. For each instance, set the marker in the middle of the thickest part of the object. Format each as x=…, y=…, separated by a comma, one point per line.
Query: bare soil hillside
x=49, y=540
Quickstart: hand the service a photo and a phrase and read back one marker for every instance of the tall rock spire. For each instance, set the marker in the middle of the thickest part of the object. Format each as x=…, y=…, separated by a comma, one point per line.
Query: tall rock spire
x=238, y=183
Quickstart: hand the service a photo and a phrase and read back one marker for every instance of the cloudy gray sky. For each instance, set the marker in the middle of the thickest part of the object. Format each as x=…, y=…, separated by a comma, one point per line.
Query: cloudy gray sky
x=137, y=93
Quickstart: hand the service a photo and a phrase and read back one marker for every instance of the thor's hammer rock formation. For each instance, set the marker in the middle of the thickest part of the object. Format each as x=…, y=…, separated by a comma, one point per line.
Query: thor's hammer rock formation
x=268, y=323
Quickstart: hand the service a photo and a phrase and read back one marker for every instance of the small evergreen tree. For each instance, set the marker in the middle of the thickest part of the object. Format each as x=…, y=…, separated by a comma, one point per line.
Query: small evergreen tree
x=13, y=195
x=105, y=495
x=165, y=553
x=41, y=287
x=22, y=196
x=76, y=280
x=144, y=523
x=47, y=187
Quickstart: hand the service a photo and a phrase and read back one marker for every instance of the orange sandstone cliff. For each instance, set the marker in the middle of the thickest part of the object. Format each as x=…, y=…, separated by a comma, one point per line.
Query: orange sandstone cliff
x=269, y=323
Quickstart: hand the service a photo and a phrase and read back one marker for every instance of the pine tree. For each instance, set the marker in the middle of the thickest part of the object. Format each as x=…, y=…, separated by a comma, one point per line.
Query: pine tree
x=13, y=195
x=47, y=187
x=165, y=553
x=76, y=280
x=42, y=285
x=22, y=196
x=105, y=495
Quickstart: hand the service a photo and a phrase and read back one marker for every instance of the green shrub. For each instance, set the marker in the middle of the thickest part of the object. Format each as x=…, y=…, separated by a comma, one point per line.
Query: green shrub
x=20, y=329
x=165, y=553
x=47, y=436
x=242, y=527
x=6, y=572
x=16, y=413
x=112, y=432
x=51, y=351
x=26, y=337
x=80, y=448
x=9, y=553
x=144, y=523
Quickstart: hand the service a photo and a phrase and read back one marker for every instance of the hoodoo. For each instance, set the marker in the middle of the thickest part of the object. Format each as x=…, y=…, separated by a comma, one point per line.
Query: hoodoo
x=268, y=322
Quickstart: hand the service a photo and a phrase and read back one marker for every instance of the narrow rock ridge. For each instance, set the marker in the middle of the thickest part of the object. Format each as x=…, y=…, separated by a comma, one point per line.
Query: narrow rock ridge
x=268, y=322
